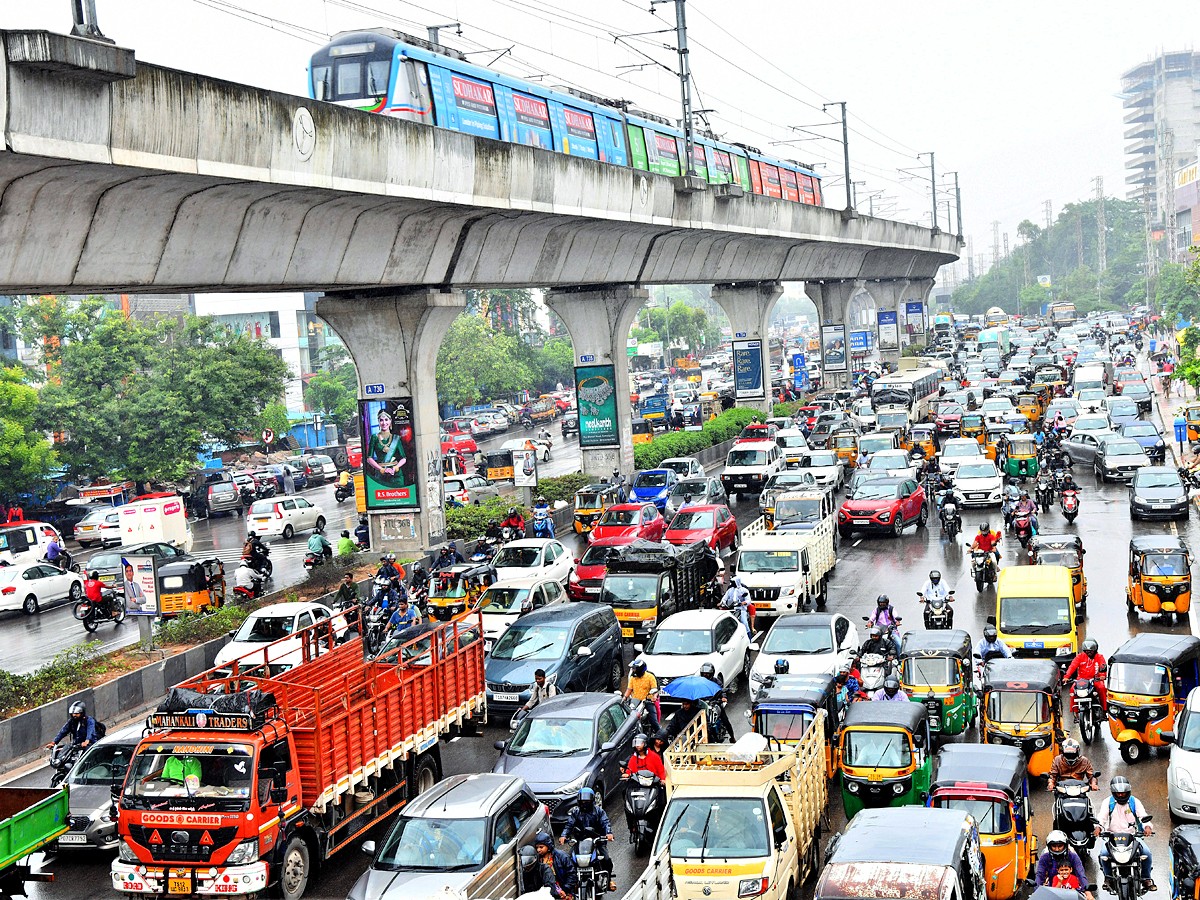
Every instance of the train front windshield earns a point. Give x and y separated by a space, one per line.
353 71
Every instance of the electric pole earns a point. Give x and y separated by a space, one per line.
996 242
1006 245
957 207
86 25
685 81
845 150
1049 215
1101 239
932 186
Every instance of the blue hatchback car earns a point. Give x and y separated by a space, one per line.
1149 439
653 486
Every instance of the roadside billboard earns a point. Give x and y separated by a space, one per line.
595 388
140 582
833 348
390 468
889 331
747 371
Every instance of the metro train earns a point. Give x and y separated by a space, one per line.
395 74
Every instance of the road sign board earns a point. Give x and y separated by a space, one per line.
587 358
373 390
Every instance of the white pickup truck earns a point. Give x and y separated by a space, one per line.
785 571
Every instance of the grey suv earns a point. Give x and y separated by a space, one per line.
461 836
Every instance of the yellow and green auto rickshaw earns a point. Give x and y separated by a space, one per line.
990 783
845 445
1149 678
590 503
787 704
883 756
972 425
1018 456
936 672
923 435
1160 576
1191 413
1064 550
189 585
643 431
455 589
1021 709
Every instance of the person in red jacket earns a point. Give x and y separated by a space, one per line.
644 758
1090 663
93 587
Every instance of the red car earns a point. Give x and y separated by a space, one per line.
712 523
949 417
631 520
806 416
354 453
585 579
458 440
757 431
883 504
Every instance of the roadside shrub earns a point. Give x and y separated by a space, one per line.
195 628
787 409
69 671
562 487
472 521
724 427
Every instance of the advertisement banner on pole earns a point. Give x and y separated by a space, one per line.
524 468
595 386
860 341
747 371
833 348
889 332
799 372
140 581
914 315
390 465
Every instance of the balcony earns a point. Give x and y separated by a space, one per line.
1143 130
1140 114
1140 148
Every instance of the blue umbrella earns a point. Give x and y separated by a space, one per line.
691 687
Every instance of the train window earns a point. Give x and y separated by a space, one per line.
770 177
698 162
755 177
476 104
664 154
817 199
533 121
790 190
637 148
320 79
806 189
720 170
349 79
377 77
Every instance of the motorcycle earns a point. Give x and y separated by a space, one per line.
1022 526
1009 503
1085 706
260 561
381 593
255 588
891 631
313 560
1073 814
588 852
64 563
62 758
1125 863
111 608
375 629
873 668
949 515
543 525
1044 493
983 568
644 801
248 495
485 548
717 732
939 615
340 493
1069 504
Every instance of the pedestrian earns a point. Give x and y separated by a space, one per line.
289 482
15 513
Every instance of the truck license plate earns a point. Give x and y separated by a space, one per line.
626 632
70 838
178 885
507 698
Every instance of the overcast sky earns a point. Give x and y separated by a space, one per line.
1020 97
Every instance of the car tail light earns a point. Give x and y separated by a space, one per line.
278 511
8 590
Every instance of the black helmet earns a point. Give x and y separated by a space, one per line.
1121 789
78 708
640 742
94 574
891 684
876 632
528 857
543 837
781 667
935 576
1090 647
882 601
251 535
990 634
984 528
638 668
1070 750
587 799
512 510
345 533
709 671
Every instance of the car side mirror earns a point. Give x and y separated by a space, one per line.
584 651
499 745
1168 736
638 648
755 646
368 847
608 746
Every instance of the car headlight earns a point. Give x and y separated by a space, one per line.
1064 651
125 853
551 678
243 853
752 887
1183 780
885 517
572 786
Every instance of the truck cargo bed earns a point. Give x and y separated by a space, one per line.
30 818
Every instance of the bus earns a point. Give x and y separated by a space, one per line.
995 317
911 390
1062 312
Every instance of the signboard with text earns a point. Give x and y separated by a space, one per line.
595 388
833 348
140 580
889 331
799 372
524 468
914 315
747 370
390 466
860 341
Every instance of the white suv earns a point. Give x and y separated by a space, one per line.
1183 771
283 517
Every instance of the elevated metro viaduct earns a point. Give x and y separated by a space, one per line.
124 177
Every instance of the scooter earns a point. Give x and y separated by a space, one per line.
313 560
340 493
645 798
255 586
1073 814
1125 863
1085 705
938 613
1022 526
543 525
248 495
873 668
983 568
1069 504
111 608
62 758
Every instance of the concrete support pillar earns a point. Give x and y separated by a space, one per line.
598 319
394 342
832 299
748 306
889 297
918 289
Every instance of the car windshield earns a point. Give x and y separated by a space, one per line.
950 409
891 459
803 637
1144 429
782 726
1035 615
517 557
876 490
619 516
731 828
967 449
1144 480
1143 679
750 561
530 642
746 458
598 555
874 749
179 772
689 520
977 470
631 591
929 671
991 817
433 845
1018 707
262 629
103 764
1122 448
650 479
806 509
1165 564
681 642
504 599
551 736
689 488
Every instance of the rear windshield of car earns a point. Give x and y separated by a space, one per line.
262 508
650 479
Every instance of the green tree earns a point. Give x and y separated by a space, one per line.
275 417
556 362
327 394
26 457
477 363
1175 296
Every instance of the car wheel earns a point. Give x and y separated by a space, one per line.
320 523
898 526
923 516
614 676
76 592
288 532
31 606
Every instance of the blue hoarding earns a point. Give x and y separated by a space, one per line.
747 370
799 372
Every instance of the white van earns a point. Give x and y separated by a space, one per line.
749 465
1089 377
26 541
160 518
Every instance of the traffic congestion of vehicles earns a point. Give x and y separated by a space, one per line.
765 740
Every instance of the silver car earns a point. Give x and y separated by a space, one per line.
460 837
703 490
90 823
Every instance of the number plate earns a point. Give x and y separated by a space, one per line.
261 521
72 838
506 698
179 885
1035 645
626 632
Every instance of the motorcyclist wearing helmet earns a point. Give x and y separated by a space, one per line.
1089 663
890 692
362 532
80 726
935 588
319 545
878 642
420 578
556 870
1123 814
253 550
644 759
515 521
990 646
448 556
987 541
718 700
588 819
1071 763
1058 852
643 687
885 614
389 571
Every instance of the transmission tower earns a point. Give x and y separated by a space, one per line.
1049 215
996 242
1169 193
1006 245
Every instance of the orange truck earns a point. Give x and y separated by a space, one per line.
248 777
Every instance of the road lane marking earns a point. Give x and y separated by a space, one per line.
856 543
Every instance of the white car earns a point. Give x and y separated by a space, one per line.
27 585
276 626
543 446
997 409
100 526
506 601
823 465
1183 770
685 641
862 415
792 443
892 462
531 557
1093 422
978 484
957 451
812 644
283 517
683 466
1091 400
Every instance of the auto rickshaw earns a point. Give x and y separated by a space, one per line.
1149 677
1064 550
189 585
994 435
590 503
972 426
787 705
499 465
989 782
845 445
1160 576
1021 709
936 671
455 589
923 435
643 431
1191 413
1029 407
1018 456
883 756
1183 851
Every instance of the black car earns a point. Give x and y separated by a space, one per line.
1139 393
108 562
1157 492
570 423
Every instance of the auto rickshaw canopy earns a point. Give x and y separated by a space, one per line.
952 642
1020 445
870 714
1166 554
195 574
1057 550
844 440
1191 413
595 497
1157 648
1041 675
785 691
994 767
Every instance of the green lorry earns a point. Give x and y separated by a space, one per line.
30 818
